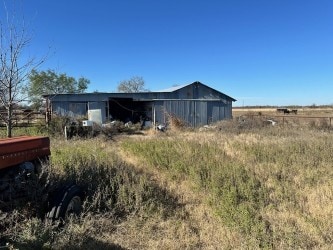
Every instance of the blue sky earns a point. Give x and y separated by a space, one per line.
260 52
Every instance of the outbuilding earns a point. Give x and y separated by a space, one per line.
196 104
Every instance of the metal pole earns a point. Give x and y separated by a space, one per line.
154 116
66 133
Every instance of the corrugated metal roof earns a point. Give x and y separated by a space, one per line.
176 92
172 89
176 88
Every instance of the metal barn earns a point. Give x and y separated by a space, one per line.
195 103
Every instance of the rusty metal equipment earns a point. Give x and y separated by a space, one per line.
16 150
21 160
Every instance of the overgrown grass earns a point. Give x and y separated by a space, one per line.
298 173
17 131
114 191
236 193
270 186
266 183
110 183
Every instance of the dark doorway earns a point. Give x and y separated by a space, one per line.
125 110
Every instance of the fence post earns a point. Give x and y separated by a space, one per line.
66 134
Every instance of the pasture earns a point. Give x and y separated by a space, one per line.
303 117
320 111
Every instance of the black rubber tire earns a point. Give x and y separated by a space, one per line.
65 202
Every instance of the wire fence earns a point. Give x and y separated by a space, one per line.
296 119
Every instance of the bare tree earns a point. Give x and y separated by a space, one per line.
135 84
14 66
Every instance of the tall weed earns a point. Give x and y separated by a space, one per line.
263 182
113 191
235 193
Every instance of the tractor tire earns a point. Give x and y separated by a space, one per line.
65 202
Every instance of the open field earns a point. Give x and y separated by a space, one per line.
301 111
305 117
239 184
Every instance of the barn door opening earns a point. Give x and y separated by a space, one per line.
126 109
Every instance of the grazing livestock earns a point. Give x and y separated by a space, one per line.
286 111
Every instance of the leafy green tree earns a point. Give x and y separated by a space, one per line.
135 84
50 83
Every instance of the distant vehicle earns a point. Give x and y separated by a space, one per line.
21 164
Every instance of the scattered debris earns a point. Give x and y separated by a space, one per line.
128 124
207 127
273 123
161 127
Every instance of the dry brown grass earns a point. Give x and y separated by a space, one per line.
306 111
196 225
294 167
167 197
